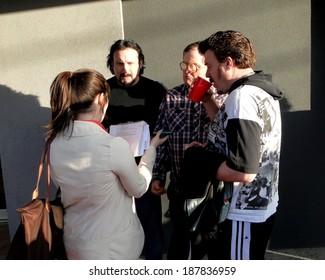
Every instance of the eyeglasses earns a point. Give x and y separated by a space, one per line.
191 67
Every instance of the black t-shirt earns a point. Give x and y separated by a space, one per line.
139 102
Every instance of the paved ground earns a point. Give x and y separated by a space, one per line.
285 254
296 254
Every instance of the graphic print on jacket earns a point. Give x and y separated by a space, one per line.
252 112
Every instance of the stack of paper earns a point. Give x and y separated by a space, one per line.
136 133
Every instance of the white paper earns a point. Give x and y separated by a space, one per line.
137 134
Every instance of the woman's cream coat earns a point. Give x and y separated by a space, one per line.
98 177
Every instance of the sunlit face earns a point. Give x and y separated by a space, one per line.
216 72
126 66
193 57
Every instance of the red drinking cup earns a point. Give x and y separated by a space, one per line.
199 89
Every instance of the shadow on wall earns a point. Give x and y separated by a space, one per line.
3 204
299 220
22 121
298 224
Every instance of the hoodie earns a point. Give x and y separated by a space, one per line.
261 80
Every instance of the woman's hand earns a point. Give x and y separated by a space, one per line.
156 140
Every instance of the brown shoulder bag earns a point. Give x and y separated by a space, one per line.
40 233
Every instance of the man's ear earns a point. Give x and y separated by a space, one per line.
229 61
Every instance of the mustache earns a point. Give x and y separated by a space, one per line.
125 75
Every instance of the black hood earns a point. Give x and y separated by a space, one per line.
261 80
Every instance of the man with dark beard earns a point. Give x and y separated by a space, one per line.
133 96
136 98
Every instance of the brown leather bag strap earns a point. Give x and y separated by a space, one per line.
45 158
40 171
48 179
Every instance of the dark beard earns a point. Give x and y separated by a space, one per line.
126 84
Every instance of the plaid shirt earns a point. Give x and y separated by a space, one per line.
188 122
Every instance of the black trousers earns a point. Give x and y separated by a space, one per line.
232 243
179 245
149 211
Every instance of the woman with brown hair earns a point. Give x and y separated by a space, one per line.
96 172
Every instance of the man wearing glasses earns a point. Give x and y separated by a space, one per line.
187 121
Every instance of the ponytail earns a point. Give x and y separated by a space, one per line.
73 93
60 104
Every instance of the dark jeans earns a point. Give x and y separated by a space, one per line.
150 215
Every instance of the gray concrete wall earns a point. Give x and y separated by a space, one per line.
279 30
39 39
